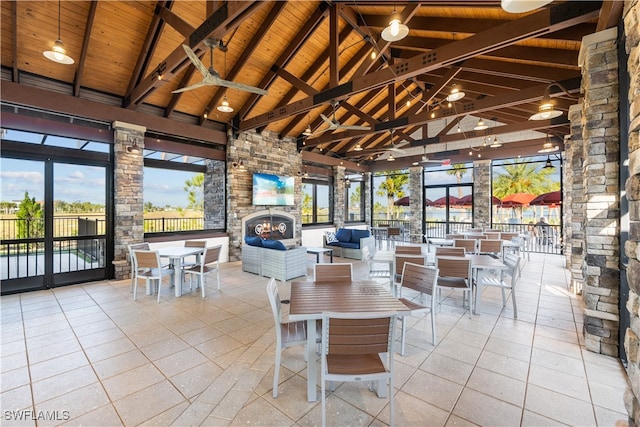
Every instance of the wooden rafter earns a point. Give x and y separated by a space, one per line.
77 81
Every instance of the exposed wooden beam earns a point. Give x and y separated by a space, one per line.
547 20
334 44
246 54
610 14
15 75
175 22
224 19
294 45
77 81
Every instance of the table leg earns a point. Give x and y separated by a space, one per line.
312 377
317 257
478 304
331 256
176 277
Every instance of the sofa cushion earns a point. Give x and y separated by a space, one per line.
253 241
274 244
344 235
348 245
331 237
356 235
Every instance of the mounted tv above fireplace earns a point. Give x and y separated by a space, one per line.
273 190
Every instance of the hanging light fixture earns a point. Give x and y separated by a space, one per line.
224 106
546 109
396 30
455 94
58 53
358 147
548 147
481 125
548 164
390 158
495 142
520 6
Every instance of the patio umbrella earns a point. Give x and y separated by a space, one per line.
465 200
495 200
547 199
404 201
443 200
517 200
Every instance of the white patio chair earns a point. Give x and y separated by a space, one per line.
208 264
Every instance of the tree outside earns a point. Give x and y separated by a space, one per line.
29 216
458 170
392 188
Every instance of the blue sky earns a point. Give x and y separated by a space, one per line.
85 183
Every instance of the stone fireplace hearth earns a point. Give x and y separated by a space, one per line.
270 224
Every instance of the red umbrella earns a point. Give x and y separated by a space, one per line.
443 200
465 200
546 199
404 201
516 200
495 200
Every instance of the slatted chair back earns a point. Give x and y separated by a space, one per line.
135 247
454 267
408 249
195 243
454 236
490 246
508 236
469 245
418 277
449 251
336 272
492 235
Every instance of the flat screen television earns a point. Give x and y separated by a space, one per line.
273 190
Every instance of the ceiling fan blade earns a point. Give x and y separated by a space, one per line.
241 86
196 61
326 120
193 86
354 127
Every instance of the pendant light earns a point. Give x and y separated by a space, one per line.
548 147
396 30
481 125
58 53
455 94
224 107
548 164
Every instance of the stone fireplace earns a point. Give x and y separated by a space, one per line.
270 224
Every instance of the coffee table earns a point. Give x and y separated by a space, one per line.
318 251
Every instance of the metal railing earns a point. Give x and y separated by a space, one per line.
163 225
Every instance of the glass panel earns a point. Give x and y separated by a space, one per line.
460 212
307 203
435 212
22 217
354 202
323 214
79 211
173 200
387 192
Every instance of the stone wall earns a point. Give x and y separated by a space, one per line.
416 202
262 153
573 199
601 147
128 195
214 200
339 194
482 193
632 247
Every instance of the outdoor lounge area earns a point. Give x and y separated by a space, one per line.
92 354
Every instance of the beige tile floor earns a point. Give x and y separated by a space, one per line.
90 355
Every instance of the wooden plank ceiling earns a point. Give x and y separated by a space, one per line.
317 57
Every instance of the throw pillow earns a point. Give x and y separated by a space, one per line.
331 237
344 235
253 241
274 244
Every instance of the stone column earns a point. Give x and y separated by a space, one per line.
601 145
339 194
367 199
632 247
128 195
482 193
214 200
573 199
416 201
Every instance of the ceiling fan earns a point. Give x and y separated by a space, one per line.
210 75
334 124
425 159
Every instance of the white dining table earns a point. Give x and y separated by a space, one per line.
176 254
310 299
481 264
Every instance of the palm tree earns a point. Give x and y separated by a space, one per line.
458 170
392 188
523 177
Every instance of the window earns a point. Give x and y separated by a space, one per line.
387 191
316 202
354 199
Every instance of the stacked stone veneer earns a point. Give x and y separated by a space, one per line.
482 193
632 247
262 153
128 196
601 147
214 199
573 199
339 196
416 201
